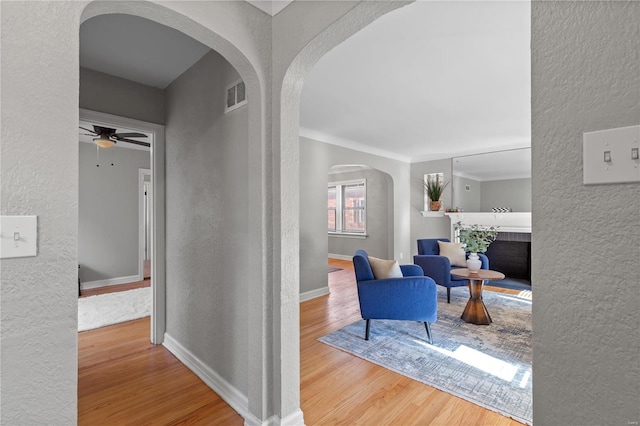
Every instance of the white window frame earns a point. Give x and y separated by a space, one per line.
340 186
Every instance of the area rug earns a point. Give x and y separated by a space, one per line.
113 308
332 269
487 365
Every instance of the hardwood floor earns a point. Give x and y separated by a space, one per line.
338 388
123 379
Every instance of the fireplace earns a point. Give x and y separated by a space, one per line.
510 254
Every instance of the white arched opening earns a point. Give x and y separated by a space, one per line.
296 64
209 24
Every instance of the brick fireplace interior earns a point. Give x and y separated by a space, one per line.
510 254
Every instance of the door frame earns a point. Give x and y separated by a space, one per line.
158 284
141 219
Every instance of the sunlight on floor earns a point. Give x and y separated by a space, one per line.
525 294
479 360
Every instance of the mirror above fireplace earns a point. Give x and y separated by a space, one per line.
493 181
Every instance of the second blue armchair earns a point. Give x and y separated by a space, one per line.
439 267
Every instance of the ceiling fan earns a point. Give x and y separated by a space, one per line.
106 137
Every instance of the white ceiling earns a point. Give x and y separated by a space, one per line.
431 80
137 49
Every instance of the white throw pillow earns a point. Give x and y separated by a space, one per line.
455 253
384 268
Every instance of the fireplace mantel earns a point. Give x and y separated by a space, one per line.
506 222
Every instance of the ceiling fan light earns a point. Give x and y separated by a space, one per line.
104 142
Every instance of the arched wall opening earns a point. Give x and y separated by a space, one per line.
215 166
373 191
288 83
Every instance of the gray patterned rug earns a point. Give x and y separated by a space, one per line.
487 365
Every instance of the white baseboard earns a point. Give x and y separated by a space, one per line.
110 281
294 419
232 396
340 256
312 294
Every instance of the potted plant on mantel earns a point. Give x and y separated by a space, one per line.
477 240
434 185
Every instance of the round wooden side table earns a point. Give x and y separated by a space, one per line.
476 312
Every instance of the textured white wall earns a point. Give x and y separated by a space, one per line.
586 321
108 212
39 176
206 216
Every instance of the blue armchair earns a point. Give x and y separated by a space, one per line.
439 267
412 297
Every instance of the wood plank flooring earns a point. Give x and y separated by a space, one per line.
338 388
124 380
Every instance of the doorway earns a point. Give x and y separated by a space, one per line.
145 224
150 211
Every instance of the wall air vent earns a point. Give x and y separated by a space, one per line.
236 96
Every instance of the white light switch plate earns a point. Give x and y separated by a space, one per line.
615 145
18 236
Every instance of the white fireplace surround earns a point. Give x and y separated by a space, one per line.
505 222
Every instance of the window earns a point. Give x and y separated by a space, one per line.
346 207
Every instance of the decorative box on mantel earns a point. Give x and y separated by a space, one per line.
519 222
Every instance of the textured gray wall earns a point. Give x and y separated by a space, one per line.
113 95
108 212
586 321
379 241
514 193
39 97
207 219
428 227
39 176
316 158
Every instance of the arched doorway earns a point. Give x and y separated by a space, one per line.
287 89
195 176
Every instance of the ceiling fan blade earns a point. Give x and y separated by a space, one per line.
87 134
147 144
92 132
103 130
130 135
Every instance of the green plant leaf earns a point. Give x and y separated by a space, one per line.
476 238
